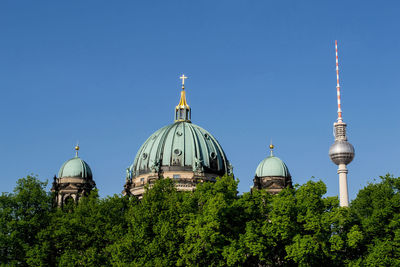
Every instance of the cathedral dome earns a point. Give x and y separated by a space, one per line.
181 151
75 167
180 146
273 167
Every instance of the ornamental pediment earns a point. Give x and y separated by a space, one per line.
71 187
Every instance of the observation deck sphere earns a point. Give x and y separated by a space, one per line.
341 152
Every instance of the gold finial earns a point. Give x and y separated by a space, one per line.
271 147
183 77
76 150
182 101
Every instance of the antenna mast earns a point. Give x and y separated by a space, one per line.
339 111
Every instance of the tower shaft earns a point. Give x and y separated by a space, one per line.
343 193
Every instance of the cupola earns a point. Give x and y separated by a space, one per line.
74 180
75 167
272 174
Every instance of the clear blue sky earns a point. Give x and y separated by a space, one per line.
106 73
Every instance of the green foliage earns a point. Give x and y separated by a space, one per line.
22 215
212 225
81 234
376 230
155 228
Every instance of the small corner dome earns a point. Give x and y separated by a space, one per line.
75 167
272 167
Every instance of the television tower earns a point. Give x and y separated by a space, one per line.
341 152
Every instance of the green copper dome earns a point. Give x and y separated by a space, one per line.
181 146
273 167
75 167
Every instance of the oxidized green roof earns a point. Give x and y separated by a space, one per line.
180 146
75 167
272 166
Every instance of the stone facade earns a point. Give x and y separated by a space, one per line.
272 184
72 188
184 181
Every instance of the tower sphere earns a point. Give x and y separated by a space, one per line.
341 152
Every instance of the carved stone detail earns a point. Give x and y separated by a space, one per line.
272 184
71 187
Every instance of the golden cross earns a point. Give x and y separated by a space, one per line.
183 77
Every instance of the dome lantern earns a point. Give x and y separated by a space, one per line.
182 110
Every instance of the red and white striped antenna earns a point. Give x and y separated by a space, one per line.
339 111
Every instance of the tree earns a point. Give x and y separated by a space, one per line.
316 236
375 236
156 225
250 247
23 214
215 224
298 226
80 234
212 225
